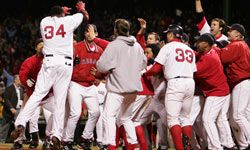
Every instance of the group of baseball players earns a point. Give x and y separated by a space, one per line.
200 96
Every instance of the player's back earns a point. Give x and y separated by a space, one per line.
57 33
179 60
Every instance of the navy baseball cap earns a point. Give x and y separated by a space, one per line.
238 27
207 37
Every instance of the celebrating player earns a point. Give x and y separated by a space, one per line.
57 33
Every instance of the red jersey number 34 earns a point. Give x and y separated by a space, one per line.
49 30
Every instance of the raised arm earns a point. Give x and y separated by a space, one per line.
140 35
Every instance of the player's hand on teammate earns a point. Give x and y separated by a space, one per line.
30 82
96 73
143 23
80 6
66 10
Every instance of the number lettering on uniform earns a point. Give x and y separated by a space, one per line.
50 31
183 55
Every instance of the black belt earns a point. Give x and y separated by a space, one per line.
51 55
180 77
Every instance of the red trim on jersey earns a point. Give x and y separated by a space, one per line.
219 36
201 24
154 70
176 40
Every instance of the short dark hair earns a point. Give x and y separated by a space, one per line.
155 49
222 24
122 27
39 40
56 11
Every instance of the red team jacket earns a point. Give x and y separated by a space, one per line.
29 70
237 56
210 75
81 72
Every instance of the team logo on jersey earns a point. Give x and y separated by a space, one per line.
88 61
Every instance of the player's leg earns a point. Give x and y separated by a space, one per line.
223 125
212 108
126 120
175 93
60 90
92 103
162 124
140 105
74 100
33 127
185 114
45 79
112 105
99 128
240 102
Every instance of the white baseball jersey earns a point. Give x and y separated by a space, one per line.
57 34
178 60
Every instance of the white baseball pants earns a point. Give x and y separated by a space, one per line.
55 73
240 107
76 94
215 111
123 104
178 101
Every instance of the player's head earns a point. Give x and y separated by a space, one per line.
87 33
56 11
122 27
153 38
39 45
205 42
151 51
218 26
236 32
174 31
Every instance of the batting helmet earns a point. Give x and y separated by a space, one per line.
175 29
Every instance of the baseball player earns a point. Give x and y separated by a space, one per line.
152 38
28 76
143 100
57 33
82 87
213 82
218 26
123 82
177 61
237 56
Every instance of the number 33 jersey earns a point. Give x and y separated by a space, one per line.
178 60
57 34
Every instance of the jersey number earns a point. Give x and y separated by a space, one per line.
50 31
183 55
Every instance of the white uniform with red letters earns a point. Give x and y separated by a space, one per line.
178 62
56 71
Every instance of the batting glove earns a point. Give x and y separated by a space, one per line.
80 6
66 10
30 82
